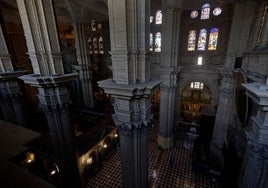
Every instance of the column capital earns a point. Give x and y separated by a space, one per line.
169 76
53 80
128 91
128 128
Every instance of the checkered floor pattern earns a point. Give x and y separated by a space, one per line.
166 168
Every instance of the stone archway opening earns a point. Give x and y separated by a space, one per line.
195 99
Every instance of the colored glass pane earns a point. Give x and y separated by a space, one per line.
194 14
157 42
213 39
205 12
217 11
158 17
202 38
151 19
151 42
191 40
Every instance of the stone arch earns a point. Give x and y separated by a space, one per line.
64 12
212 84
195 97
99 7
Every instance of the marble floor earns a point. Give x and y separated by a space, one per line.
167 168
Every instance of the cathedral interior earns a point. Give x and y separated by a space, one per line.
134 94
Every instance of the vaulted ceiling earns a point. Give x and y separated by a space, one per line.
86 10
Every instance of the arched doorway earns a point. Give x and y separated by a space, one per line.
195 97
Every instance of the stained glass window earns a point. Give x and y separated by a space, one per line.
201 85
205 12
213 38
158 17
191 40
93 25
194 14
151 42
95 45
157 42
101 45
90 45
197 85
202 38
217 11
151 19
192 85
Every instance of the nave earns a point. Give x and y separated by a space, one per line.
167 168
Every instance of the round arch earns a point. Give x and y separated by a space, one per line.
196 96
91 9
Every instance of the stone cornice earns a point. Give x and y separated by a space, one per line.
169 70
48 81
224 71
6 76
259 93
128 90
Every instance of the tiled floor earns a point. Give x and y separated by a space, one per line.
167 168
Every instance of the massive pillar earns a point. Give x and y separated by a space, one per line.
255 165
84 64
10 93
131 85
169 72
41 35
223 114
263 35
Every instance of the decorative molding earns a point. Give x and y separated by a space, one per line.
128 128
48 81
128 91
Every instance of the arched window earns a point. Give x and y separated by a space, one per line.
158 17
205 11
151 42
95 45
213 39
191 40
101 45
90 45
157 42
151 19
197 85
202 38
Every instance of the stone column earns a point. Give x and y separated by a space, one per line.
132 117
131 85
254 170
239 32
10 93
169 72
40 30
222 114
167 107
84 64
263 37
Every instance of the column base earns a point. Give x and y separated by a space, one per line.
164 142
216 156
